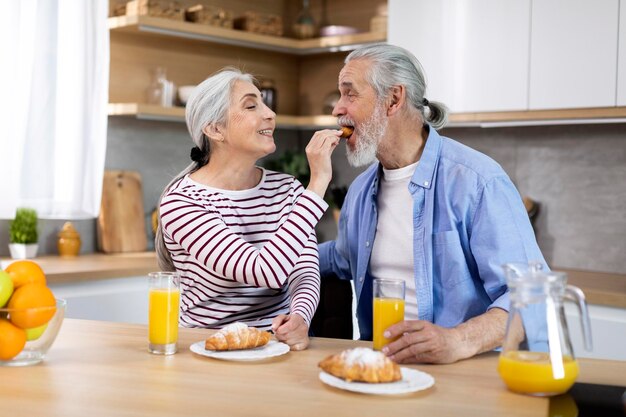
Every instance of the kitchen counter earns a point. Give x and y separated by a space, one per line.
95 266
600 287
103 369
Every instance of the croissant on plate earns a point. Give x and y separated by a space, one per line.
237 336
362 365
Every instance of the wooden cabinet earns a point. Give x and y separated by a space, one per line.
573 58
621 56
191 52
475 54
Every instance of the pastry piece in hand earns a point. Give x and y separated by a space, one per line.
346 131
237 336
362 365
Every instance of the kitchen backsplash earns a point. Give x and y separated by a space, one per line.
576 173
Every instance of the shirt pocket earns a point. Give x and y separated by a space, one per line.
449 264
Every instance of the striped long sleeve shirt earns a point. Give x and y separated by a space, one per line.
244 255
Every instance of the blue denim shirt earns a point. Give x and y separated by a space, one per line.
468 220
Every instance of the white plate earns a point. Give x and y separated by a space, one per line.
273 348
412 381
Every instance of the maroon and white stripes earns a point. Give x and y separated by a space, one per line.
244 255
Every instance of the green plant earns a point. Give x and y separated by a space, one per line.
296 164
23 229
292 163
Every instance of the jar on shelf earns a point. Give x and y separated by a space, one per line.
69 240
268 94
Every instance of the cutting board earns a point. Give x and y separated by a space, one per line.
121 224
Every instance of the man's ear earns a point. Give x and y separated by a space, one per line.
214 132
397 99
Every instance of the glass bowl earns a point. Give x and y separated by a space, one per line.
35 350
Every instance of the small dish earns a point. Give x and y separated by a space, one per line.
412 381
272 349
335 30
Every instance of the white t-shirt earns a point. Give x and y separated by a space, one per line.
392 253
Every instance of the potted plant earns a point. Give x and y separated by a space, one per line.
23 234
296 164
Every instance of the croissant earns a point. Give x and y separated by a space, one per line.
362 365
237 336
346 131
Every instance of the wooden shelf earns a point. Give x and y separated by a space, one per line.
177 114
520 118
539 117
206 33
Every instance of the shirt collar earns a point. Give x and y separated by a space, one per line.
425 172
423 175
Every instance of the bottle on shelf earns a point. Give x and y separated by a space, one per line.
305 27
161 91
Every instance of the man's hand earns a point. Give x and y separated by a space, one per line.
291 329
422 341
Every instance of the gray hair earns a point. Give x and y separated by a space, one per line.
392 65
208 104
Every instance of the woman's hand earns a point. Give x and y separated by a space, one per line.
318 152
291 329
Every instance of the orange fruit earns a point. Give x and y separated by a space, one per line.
12 340
25 272
24 303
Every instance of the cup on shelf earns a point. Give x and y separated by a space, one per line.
388 308
163 306
184 91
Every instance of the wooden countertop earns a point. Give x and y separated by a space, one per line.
600 288
95 266
103 369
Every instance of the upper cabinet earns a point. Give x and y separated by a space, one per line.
573 60
475 54
518 62
621 56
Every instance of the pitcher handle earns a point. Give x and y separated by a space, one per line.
576 295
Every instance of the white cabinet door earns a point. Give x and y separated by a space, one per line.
573 61
475 54
621 63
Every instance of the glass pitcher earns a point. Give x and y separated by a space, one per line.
537 356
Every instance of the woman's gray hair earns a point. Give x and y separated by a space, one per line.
208 104
392 65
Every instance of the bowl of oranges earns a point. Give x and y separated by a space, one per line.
30 315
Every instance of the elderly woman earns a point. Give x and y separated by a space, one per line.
242 237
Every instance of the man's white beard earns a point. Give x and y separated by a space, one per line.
370 134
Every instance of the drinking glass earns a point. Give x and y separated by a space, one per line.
388 308
164 302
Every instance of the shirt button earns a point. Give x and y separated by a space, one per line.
426 183
361 279
367 244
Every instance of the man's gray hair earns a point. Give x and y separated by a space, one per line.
392 65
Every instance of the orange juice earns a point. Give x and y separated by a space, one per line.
387 311
163 316
531 373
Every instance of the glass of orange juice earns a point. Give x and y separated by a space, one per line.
388 308
163 306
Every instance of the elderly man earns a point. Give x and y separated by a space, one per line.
429 210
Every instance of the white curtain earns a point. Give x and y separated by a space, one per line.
54 73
